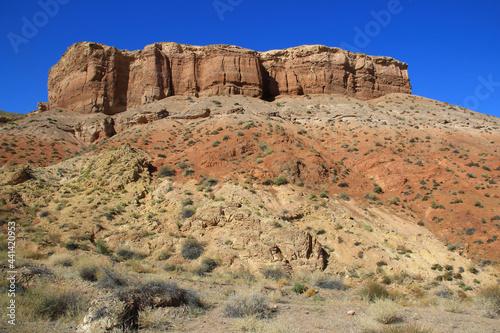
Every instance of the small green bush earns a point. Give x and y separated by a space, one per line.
299 288
71 245
187 202
267 182
101 247
280 181
166 171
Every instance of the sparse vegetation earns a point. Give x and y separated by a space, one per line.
299 288
166 171
274 273
372 291
488 301
385 311
191 249
246 305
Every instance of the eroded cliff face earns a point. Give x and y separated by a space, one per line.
92 77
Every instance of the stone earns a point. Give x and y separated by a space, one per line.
351 313
92 77
23 174
42 106
296 248
193 114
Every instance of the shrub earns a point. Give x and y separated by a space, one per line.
243 274
444 292
267 182
187 212
275 273
89 272
240 306
166 171
64 260
44 213
169 267
280 181
299 288
164 254
57 305
343 184
209 182
191 249
127 253
393 201
101 247
186 202
373 291
344 196
207 266
324 281
110 279
151 294
488 301
385 311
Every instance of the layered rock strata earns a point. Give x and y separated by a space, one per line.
92 77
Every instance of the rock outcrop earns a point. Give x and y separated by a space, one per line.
92 77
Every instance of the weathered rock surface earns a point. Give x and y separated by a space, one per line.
92 77
297 248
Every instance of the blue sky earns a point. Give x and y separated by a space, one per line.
452 46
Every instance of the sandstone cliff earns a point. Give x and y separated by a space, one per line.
92 77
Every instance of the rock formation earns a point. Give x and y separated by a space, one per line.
92 77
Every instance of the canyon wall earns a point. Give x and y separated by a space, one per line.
92 77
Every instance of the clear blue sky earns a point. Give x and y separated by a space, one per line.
452 46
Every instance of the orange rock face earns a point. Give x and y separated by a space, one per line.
92 77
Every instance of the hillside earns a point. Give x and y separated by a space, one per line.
218 193
5 117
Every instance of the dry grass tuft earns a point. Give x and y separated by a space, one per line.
64 260
385 311
373 291
488 301
407 328
252 304
325 281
